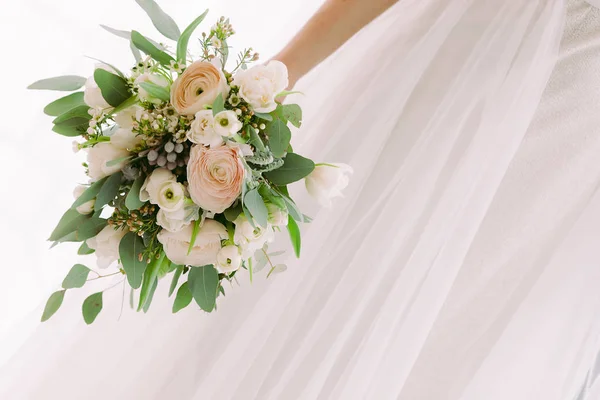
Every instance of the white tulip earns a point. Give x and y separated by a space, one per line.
106 244
92 95
202 130
88 206
173 221
154 181
251 238
100 155
327 182
171 196
229 259
227 124
206 246
260 85
125 138
126 117
277 216
156 79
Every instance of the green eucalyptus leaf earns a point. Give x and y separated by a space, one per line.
156 91
68 224
204 285
64 104
90 193
84 249
67 83
114 88
291 113
224 52
279 137
53 304
161 20
76 277
147 47
67 129
183 298
126 104
90 228
117 32
195 231
108 191
184 39
150 275
79 115
150 296
132 201
265 116
295 237
175 281
255 140
92 307
294 168
130 248
218 105
232 212
256 205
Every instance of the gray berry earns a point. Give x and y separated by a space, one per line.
180 162
171 166
161 161
152 155
171 157
178 148
169 147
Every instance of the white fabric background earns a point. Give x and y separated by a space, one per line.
40 39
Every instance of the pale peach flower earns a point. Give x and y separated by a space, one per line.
197 87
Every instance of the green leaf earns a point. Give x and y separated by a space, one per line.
68 223
64 104
90 228
53 304
76 277
256 205
92 307
70 130
224 52
184 39
292 113
78 115
108 191
183 298
132 201
176 276
279 137
67 83
90 193
117 161
195 231
294 168
218 105
147 47
84 249
121 74
232 213
161 20
150 296
295 237
156 91
126 104
115 89
204 285
255 140
150 276
130 247
265 116
117 32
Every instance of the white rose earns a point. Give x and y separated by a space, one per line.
92 95
205 249
260 85
277 216
229 259
126 117
227 124
153 183
173 221
171 196
202 130
158 80
327 182
251 238
125 138
106 244
101 154
88 206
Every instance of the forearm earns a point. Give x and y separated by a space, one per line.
331 26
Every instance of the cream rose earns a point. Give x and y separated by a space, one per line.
260 85
151 188
205 249
215 177
172 221
106 244
197 87
101 154
202 130
327 182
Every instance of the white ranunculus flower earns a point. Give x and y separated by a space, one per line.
251 238
106 244
173 221
101 154
205 249
202 130
125 138
88 206
92 96
260 85
171 196
229 259
327 182
277 216
126 117
154 181
227 124
158 80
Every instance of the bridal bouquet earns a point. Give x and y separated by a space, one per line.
188 164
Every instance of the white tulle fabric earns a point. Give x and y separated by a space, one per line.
462 263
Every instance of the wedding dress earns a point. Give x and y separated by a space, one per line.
462 264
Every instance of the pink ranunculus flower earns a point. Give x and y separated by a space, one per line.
215 177
197 87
